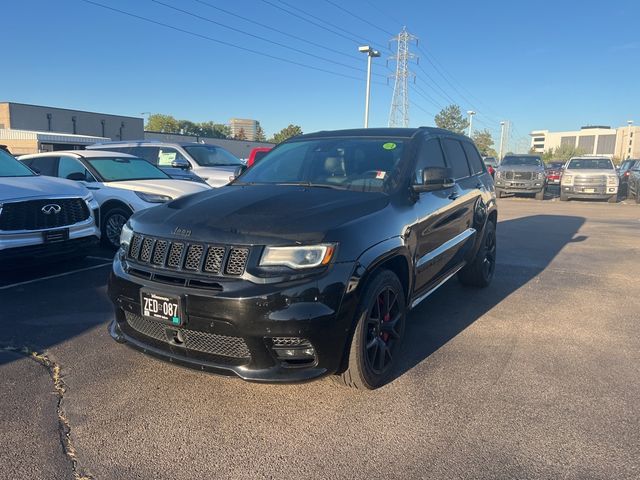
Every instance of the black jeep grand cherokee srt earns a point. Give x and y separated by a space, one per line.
307 264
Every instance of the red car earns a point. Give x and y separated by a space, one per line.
257 154
554 172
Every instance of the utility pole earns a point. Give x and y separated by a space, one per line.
399 114
470 113
501 141
371 53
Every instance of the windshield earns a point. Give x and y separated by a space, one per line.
10 167
362 164
524 160
590 164
212 156
490 161
555 165
115 169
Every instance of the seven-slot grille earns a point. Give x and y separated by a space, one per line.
29 215
188 257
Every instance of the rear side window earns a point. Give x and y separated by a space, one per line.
456 158
150 154
47 166
474 158
168 155
430 155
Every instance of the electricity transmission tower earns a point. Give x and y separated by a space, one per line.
399 114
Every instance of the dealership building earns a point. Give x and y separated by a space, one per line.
26 129
36 128
618 142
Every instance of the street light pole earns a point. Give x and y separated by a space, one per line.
501 141
471 113
629 123
371 53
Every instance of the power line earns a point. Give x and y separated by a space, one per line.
340 34
268 27
385 14
359 17
264 39
221 42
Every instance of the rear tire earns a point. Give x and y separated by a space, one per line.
540 195
112 222
378 335
479 272
613 199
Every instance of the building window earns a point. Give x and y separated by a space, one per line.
538 139
538 145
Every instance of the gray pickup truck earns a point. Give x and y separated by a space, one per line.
589 177
521 174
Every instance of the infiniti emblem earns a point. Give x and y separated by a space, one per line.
51 209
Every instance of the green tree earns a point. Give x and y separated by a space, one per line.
484 142
450 118
162 123
561 153
260 136
288 132
187 127
214 130
241 135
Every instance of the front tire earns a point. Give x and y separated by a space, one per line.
498 193
112 222
378 335
479 272
613 199
540 195
564 197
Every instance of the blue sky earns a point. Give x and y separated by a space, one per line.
548 64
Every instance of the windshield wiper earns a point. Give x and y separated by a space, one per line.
310 184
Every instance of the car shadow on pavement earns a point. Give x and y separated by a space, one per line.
526 246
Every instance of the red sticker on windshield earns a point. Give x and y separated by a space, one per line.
380 175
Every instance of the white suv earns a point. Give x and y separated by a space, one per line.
43 217
121 183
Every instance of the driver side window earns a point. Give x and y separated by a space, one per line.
73 169
430 155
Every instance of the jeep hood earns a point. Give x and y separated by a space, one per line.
258 214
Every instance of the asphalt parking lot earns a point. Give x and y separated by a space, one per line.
534 377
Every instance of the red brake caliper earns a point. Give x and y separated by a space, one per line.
386 318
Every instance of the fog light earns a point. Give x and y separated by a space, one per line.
293 350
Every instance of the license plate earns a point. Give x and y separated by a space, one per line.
589 190
165 308
52 236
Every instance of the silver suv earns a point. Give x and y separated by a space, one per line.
212 163
41 216
521 174
589 177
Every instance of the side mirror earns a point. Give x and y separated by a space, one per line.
181 163
434 178
76 176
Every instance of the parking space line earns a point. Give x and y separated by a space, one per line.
5 287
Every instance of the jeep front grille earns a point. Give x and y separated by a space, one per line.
188 257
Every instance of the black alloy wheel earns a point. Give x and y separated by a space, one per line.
378 335
385 322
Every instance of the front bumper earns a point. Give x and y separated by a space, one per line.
520 186
238 328
594 192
